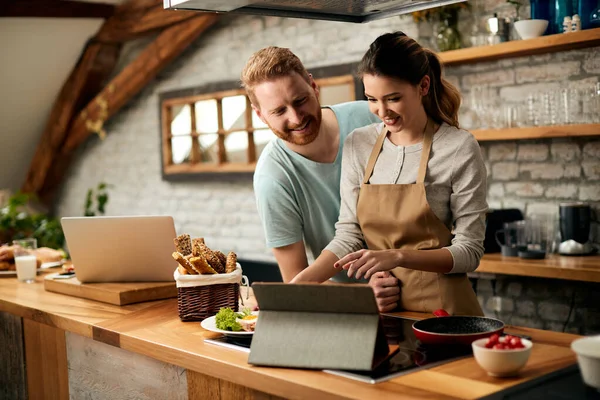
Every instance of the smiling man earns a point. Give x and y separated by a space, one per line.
297 178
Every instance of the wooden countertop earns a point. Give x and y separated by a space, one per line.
582 268
154 329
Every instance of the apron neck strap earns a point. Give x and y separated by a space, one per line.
374 155
427 140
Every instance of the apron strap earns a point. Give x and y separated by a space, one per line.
374 155
427 140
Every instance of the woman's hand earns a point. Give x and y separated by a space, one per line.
364 263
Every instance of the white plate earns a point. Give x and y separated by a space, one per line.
12 273
210 325
52 264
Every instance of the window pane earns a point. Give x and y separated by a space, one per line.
206 116
261 138
234 112
181 149
209 148
256 122
335 94
182 120
236 146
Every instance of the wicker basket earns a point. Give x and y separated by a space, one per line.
196 303
200 302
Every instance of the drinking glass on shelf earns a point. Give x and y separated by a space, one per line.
25 259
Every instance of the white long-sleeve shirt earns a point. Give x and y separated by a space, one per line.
455 186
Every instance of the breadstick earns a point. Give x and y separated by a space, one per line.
201 266
231 264
195 246
184 263
212 259
183 244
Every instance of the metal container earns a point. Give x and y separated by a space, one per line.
498 29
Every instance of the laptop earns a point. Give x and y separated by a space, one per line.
121 249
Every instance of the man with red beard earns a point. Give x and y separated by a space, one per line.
297 178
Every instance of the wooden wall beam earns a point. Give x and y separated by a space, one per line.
85 81
141 71
55 9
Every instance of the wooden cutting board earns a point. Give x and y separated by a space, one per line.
118 293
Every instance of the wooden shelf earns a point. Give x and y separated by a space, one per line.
520 48
583 268
537 132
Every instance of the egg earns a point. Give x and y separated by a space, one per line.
248 322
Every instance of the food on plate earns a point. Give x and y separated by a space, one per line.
228 320
68 267
507 342
248 322
183 244
7 266
42 254
48 255
196 258
7 253
231 262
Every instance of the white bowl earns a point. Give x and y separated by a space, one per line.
588 357
501 363
531 28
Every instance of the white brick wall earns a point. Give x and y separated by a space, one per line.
532 176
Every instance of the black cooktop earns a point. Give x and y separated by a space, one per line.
411 356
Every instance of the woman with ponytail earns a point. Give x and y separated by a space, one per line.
413 188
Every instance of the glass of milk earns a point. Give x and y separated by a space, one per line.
25 259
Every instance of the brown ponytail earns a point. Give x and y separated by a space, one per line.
396 55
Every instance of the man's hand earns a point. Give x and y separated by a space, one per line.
387 290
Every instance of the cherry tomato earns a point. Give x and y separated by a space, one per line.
515 341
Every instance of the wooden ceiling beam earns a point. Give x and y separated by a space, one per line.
55 9
129 82
129 24
85 81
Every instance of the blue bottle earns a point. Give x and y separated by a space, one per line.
562 9
544 9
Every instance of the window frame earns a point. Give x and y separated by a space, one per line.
325 76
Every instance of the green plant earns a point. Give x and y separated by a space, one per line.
17 221
101 197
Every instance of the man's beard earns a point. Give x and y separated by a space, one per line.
314 124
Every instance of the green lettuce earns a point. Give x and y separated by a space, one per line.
226 319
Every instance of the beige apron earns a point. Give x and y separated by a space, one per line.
397 216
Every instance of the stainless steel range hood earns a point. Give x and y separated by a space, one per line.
333 10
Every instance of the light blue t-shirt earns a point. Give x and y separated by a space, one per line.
299 199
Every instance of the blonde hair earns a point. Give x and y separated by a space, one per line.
270 63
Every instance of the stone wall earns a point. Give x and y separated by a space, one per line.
533 175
